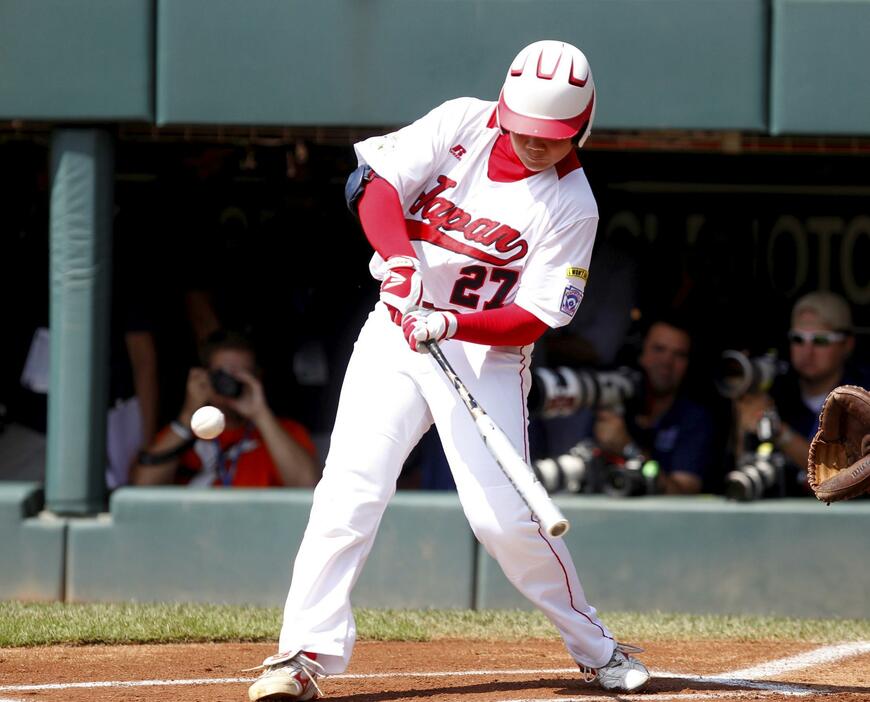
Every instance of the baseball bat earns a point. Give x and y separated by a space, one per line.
514 466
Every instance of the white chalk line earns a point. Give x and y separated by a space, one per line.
745 677
665 696
819 656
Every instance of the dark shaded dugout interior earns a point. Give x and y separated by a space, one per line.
730 235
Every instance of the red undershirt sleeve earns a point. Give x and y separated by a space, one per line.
383 221
505 326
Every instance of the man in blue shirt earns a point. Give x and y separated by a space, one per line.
821 343
667 426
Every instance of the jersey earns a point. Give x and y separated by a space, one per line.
484 243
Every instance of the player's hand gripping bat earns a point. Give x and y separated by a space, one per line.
515 468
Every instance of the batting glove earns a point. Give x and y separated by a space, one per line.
402 286
423 325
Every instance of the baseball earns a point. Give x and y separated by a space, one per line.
207 422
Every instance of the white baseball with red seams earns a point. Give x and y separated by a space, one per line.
207 422
481 243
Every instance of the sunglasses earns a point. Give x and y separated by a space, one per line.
816 338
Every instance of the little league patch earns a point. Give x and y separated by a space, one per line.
571 299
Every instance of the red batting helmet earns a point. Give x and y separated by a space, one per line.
548 92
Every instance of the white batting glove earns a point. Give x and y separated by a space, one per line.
402 286
425 325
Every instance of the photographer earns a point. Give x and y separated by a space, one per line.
257 449
821 342
665 426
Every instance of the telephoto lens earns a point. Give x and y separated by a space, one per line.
759 473
737 374
559 392
574 471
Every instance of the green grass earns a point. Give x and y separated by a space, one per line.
43 624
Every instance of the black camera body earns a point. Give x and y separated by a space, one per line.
635 477
760 473
586 469
225 384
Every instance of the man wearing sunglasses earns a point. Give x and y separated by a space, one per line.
820 346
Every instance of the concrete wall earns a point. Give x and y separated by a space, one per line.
700 555
32 548
169 544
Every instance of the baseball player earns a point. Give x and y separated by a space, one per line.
483 224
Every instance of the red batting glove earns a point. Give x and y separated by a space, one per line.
402 286
422 325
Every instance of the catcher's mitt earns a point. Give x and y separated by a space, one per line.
839 460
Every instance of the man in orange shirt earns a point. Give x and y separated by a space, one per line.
257 449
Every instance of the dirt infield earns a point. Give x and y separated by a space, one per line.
472 671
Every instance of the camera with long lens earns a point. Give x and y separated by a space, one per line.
634 477
581 469
559 392
738 374
585 468
225 384
760 473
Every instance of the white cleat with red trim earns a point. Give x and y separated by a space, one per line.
287 676
622 673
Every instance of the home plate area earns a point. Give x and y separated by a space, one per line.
468 670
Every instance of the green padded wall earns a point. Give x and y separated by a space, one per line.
183 544
657 63
31 546
701 555
76 59
821 67
82 181
708 555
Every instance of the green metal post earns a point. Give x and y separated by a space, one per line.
81 224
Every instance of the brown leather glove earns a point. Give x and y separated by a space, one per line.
839 460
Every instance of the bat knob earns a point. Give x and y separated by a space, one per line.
559 528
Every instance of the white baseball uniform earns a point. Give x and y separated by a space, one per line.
482 243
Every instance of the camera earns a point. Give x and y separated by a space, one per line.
226 384
636 476
757 475
558 392
738 374
760 472
587 469
579 470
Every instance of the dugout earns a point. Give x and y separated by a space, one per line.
730 152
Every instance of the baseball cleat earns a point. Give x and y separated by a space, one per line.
293 678
622 673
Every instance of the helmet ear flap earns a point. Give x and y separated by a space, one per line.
586 129
501 129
